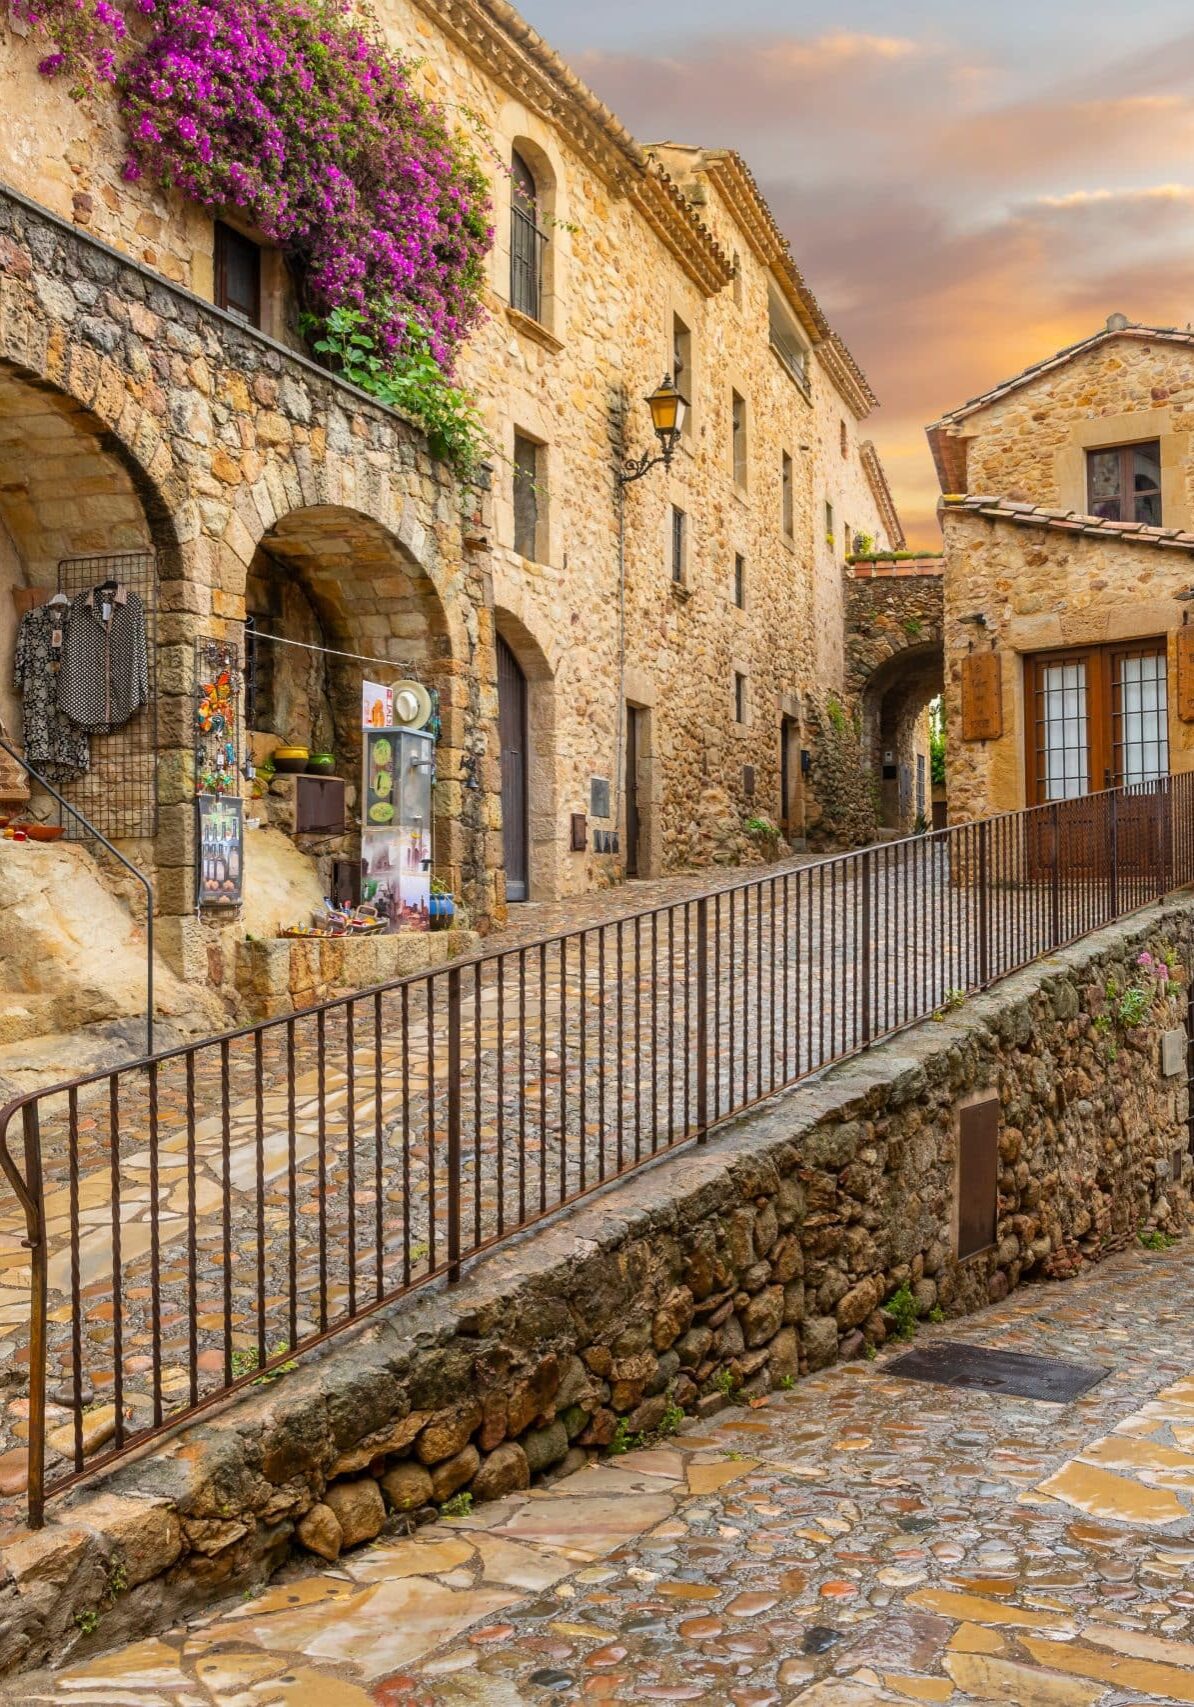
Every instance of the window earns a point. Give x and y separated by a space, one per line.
787 498
679 548
740 580
1123 483
786 340
1099 720
845 438
682 372
238 274
526 241
737 279
739 697
738 437
526 496
829 528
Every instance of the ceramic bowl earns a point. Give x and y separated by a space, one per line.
321 764
291 761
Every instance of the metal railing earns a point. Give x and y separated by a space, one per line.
195 1220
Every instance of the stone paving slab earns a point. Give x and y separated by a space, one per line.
860 1540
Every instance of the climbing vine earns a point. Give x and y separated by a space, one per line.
292 117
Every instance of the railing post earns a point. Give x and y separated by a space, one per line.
454 1124
1055 879
866 947
984 903
702 1019
35 1221
1113 862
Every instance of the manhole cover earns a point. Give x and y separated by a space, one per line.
952 1364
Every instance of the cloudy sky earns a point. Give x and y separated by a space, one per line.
967 188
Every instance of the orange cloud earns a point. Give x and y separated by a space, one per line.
954 230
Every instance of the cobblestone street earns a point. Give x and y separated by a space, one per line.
281 1166
859 1540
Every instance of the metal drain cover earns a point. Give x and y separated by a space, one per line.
952 1364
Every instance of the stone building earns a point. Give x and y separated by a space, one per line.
1068 514
676 640
627 674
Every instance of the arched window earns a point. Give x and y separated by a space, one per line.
526 240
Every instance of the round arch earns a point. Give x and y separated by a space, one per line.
895 700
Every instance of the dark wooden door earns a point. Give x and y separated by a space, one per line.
512 732
785 777
634 730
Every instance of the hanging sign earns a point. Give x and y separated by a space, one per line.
221 850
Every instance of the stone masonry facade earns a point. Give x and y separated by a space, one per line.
787 1242
650 257
1028 571
180 431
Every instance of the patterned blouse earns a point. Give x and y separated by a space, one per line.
105 672
53 744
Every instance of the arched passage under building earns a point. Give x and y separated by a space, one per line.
897 735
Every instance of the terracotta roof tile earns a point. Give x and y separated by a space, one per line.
1068 521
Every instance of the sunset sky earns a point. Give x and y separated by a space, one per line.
966 189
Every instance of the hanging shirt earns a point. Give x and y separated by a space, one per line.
53 744
105 673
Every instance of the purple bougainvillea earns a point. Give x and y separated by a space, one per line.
291 117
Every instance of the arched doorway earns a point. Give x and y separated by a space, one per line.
512 730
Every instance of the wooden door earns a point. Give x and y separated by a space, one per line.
1097 719
512 733
634 730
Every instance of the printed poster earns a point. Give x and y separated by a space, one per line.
221 850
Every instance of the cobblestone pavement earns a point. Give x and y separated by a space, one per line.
298 1174
859 1540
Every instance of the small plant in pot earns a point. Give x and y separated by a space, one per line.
442 907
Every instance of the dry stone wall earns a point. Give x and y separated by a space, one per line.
728 1271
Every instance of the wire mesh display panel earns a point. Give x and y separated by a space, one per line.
119 792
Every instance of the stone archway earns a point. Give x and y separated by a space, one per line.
895 667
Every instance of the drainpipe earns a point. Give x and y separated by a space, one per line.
117 855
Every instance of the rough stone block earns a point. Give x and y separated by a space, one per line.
358 1508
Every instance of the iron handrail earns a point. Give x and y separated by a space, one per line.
766 980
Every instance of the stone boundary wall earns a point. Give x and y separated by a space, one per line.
768 1253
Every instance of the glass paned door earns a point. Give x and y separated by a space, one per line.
1063 730
1140 717
1098 719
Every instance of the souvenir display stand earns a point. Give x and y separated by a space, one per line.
220 821
399 769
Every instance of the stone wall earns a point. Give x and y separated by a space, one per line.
725 1271
171 426
628 250
1029 444
1039 589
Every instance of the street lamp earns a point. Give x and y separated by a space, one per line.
667 406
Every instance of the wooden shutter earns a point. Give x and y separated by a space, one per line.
1185 674
982 697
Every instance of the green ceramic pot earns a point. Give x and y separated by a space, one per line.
321 764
